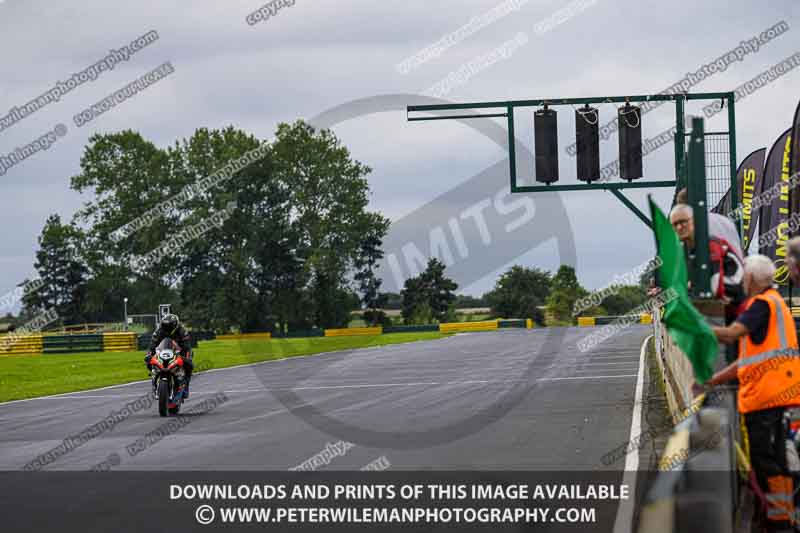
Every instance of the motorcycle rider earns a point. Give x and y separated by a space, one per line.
171 328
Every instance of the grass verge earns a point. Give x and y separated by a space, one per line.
29 376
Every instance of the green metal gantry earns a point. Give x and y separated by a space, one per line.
690 171
615 188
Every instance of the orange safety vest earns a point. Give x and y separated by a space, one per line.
769 373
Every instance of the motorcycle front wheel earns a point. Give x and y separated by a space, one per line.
163 397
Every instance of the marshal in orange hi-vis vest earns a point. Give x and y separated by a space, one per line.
769 373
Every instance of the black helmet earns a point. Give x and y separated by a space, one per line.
170 323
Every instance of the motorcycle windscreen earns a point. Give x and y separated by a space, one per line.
166 344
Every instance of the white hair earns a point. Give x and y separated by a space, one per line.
793 246
760 268
682 208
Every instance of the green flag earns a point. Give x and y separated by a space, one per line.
687 327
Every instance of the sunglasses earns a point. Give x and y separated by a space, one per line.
680 222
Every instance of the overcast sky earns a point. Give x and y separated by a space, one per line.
315 55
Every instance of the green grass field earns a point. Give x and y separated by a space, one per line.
29 376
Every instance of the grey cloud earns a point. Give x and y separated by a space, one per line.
318 55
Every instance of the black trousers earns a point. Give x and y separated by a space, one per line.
767 436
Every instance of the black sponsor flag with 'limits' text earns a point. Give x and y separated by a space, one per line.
773 226
749 178
794 165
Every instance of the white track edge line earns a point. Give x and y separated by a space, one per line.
624 520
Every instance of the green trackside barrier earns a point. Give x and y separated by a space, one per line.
645 318
411 329
512 323
72 343
245 336
315 332
143 341
203 335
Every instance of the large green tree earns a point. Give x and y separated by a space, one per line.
366 264
124 176
328 195
467 301
392 300
284 254
224 275
564 291
519 293
624 299
429 296
62 272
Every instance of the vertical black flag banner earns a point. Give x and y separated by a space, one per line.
794 166
724 205
774 216
749 179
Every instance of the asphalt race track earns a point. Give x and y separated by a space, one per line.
506 400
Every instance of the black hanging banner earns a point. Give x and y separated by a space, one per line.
794 165
773 226
749 179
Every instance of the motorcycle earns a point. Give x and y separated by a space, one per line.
169 377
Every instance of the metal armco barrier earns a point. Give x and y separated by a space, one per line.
695 490
644 318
